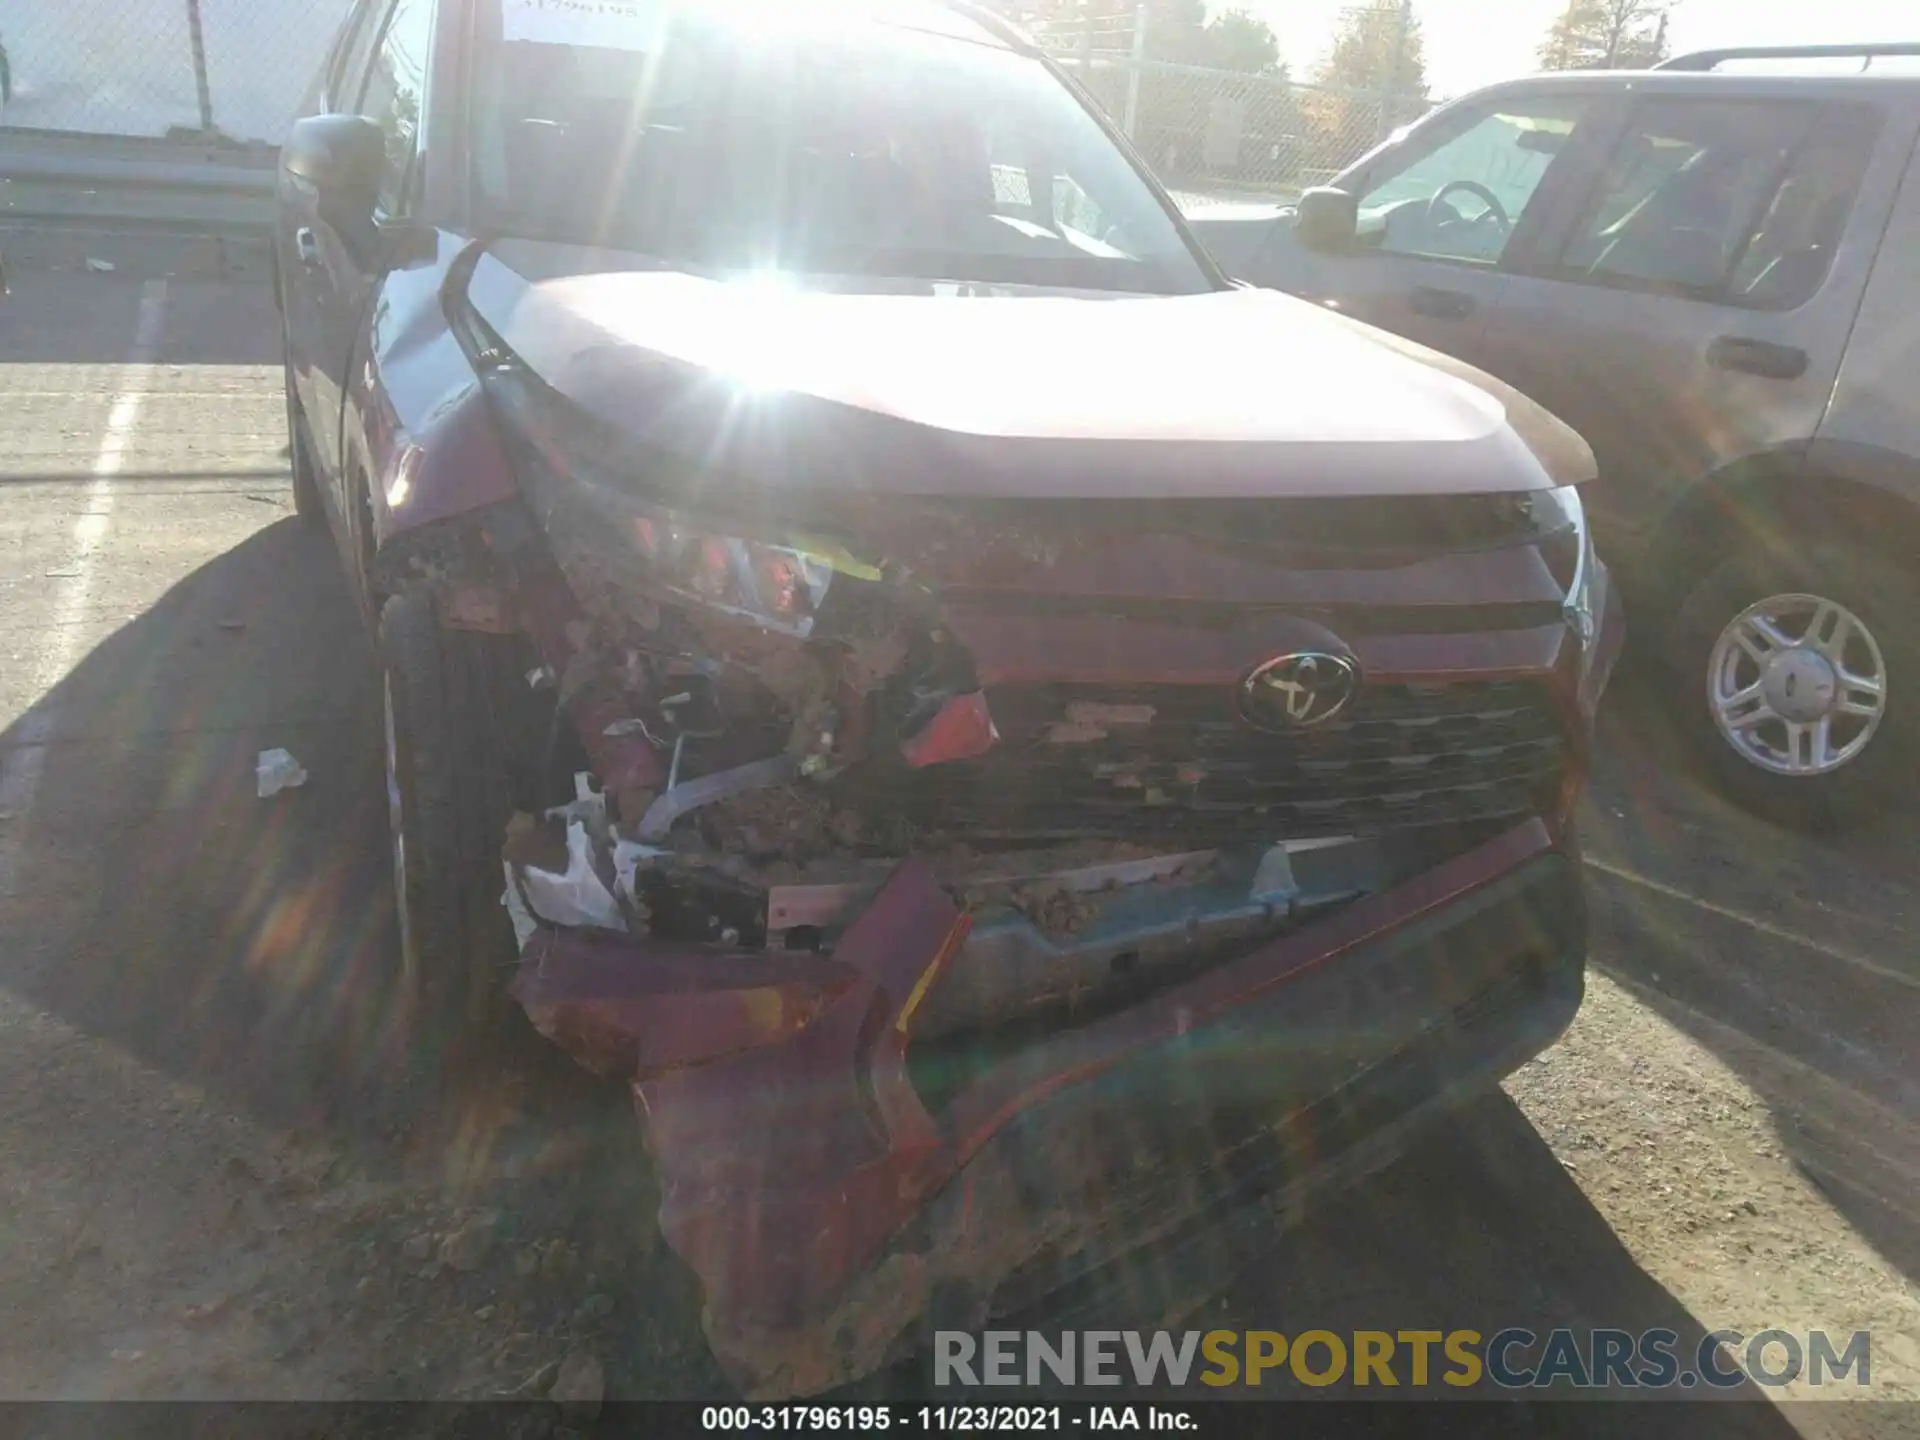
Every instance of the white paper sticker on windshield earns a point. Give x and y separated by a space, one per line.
602 24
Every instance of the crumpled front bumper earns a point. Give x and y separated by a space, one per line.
829 1199
825 1207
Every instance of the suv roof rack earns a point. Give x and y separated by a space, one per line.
1710 59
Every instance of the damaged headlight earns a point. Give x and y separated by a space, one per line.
777 587
574 470
1566 544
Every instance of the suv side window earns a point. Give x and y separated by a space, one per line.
1736 201
396 97
1788 255
1460 198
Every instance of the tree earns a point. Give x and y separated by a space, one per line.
1379 47
1178 31
1236 40
1179 119
1377 51
1607 35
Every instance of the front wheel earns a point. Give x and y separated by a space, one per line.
448 802
1799 680
307 503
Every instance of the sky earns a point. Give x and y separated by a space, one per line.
1476 42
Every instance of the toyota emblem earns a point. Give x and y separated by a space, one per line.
1294 692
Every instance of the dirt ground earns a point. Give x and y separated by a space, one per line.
222 1179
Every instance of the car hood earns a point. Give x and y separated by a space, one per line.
940 389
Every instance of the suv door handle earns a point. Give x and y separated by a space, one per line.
1440 304
1757 357
308 246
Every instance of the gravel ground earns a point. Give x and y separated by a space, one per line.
219 1180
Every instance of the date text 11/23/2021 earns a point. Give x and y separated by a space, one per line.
937 1419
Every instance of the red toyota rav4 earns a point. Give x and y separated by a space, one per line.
1021 752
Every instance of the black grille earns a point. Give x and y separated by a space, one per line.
1403 756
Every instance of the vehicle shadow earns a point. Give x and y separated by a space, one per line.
157 901
1478 1227
1789 956
245 948
240 944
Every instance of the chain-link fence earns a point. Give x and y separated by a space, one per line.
1224 131
235 68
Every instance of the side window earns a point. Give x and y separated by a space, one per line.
1461 197
1790 252
1735 201
349 73
396 93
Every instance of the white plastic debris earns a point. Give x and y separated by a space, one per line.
277 771
589 806
576 898
100 267
523 922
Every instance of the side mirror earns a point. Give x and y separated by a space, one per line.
342 158
1327 219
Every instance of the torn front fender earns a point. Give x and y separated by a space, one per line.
417 427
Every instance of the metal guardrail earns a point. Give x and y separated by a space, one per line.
173 184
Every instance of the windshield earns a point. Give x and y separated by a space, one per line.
735 135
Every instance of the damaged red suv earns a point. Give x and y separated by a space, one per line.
1026 756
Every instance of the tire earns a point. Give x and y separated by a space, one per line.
307 503
1864 762
448 802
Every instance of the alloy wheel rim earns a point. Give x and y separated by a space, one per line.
1797 685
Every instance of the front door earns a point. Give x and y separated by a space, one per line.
1695 308
1445 214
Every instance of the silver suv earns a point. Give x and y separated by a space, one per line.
1715 277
